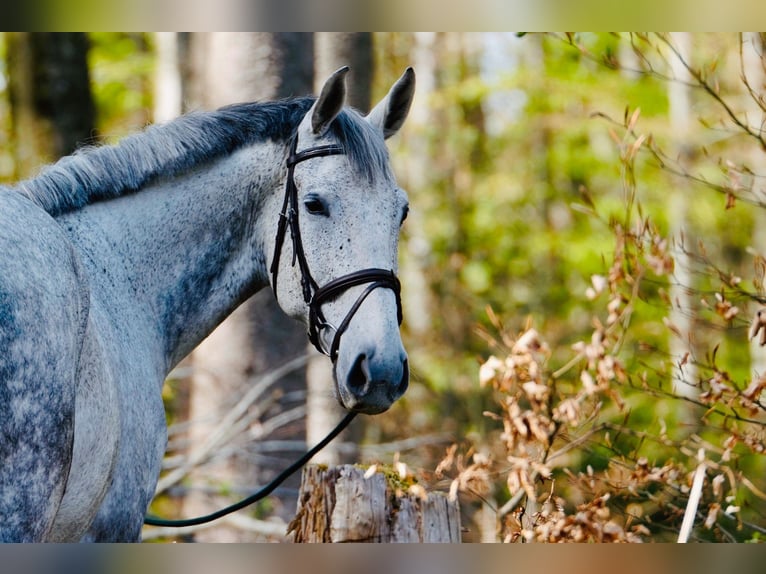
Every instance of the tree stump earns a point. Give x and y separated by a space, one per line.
348 504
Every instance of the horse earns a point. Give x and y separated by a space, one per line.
116 261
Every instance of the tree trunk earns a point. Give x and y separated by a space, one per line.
168 77
682 294
231 67
323 412
258 337
336 49
344 504
52 108
418 171
754 68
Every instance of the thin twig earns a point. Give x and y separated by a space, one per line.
220 432
713 93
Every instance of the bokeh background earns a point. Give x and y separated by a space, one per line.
582 267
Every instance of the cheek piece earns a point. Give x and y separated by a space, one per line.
322 334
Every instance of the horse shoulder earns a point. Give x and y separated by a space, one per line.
43 313
96 441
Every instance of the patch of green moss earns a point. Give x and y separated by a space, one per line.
394 480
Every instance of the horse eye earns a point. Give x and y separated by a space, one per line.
315 206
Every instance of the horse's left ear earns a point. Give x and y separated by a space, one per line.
391 111
330 101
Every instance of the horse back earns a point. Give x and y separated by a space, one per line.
43 316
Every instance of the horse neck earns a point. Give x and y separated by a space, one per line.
183 254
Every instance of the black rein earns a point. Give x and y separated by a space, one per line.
259 494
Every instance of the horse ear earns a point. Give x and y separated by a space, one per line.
391 111
330 101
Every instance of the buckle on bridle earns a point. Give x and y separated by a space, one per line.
324 342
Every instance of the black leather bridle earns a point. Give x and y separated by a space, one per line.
313 295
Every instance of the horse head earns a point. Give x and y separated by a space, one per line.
343 211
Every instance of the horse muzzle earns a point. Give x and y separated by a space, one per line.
372 381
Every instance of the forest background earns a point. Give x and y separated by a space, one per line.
582 273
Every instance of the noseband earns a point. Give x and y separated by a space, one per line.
314 295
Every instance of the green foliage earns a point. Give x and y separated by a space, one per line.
526 212
6 156
121 68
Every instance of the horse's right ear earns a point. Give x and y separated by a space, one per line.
330 102
390 113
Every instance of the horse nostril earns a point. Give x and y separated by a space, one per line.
405 382
375 387
357 376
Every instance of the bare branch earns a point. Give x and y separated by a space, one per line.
714 93
221 432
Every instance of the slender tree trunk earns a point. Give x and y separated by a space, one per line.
754 67
51 104
418 180
682 294
336 49
257 337
168 78
323 412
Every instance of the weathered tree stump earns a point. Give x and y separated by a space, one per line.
348 504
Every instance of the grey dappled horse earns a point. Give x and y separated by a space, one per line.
117 261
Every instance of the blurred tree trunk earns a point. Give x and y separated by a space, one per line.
683 312
332 51
754 69
52 107
168 78
336 49
257 337
418 180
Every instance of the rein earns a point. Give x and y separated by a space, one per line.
259 494
314 296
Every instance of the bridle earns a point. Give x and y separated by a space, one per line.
313 295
